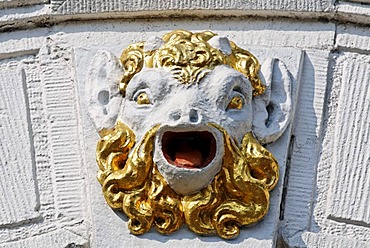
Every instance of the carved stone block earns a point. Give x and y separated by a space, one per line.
19 196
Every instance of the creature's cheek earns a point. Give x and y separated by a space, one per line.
139 119
237 123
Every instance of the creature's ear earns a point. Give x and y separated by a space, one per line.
102 93
272 110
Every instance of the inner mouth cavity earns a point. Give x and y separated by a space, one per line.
189 149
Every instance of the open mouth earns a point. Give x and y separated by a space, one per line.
189 149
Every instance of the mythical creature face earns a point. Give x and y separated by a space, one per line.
182 150
188 147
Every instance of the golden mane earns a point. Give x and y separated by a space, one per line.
189 57
238 195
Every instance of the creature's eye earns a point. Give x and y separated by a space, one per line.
142 98
236 102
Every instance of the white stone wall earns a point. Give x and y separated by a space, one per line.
49 195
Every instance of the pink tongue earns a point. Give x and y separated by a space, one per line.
188 157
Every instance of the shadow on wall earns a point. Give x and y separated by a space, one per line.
300 189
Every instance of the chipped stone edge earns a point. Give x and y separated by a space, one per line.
58 238
49 14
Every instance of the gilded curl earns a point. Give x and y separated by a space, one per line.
129 185
238 195
189 57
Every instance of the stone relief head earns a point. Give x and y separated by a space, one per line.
182 120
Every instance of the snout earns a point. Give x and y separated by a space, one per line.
188 156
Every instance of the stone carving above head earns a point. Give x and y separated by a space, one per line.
182 120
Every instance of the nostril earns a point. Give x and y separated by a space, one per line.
103 97
193 115
176 115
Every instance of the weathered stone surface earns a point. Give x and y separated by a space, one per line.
74 7
353 38
327 201
19 3
326 189
331 241
339 178
349 181
60 238
33 13
354 12
42 191
305 146
19 199
359 1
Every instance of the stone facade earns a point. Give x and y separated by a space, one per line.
49 195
